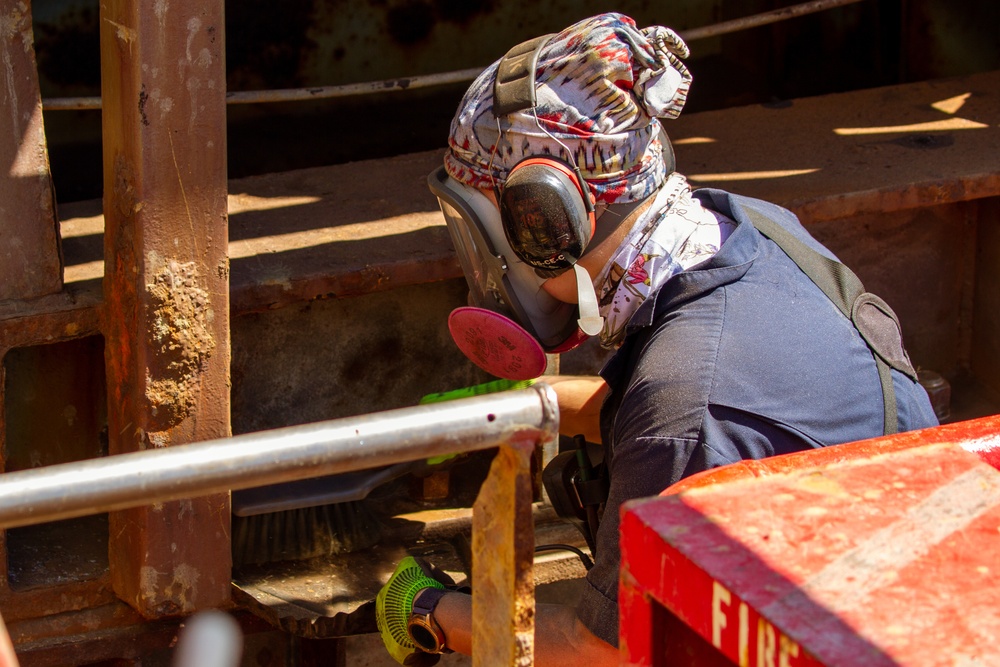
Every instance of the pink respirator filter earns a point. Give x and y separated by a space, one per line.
496 343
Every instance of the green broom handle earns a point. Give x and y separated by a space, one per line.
468 392
476 390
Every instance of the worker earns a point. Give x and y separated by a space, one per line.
726 345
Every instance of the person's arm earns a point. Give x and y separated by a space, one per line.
560 638
580 398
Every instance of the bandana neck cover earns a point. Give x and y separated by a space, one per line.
673 235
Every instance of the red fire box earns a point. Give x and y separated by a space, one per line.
888 558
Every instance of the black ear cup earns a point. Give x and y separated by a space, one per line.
546 213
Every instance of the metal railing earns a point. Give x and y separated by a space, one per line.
458 76
517 422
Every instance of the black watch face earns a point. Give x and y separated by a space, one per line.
423 637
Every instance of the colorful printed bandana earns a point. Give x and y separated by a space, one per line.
601 87
673 234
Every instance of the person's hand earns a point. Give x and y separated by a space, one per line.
394 604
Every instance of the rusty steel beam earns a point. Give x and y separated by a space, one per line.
30 262
503 540
166 286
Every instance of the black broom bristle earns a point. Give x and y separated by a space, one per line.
299 534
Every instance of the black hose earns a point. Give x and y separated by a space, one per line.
584 558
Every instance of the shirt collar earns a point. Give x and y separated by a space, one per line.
728 265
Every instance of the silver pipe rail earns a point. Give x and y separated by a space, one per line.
765 18
444 78
524 417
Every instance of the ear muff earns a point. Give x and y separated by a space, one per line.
547 213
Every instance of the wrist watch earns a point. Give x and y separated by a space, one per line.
423 629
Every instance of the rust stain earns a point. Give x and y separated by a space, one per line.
176 596
12 25
143 98
180 336
124 188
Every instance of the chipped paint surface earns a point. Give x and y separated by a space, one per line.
899 581
180 315
180 590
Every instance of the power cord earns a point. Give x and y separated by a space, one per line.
584 558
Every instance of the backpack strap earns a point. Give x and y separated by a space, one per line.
872 317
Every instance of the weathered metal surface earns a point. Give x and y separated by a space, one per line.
876 561
979 436
985 345
65 316
30 265
71 313
55 403
114 634
337 231
503 604
167 290
331 597
465 75
866 151
54 412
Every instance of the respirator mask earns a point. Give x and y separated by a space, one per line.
542 222
543 225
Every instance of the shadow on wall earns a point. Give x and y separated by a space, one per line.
320 43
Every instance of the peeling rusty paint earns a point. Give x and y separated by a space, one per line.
178 588
167 307
125 196
143 98
12 25
30 262
180 314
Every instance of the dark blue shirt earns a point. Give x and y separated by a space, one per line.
739 357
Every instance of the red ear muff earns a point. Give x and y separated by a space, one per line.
547 213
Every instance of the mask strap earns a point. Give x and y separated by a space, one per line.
590 322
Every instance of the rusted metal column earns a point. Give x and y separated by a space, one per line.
166 284
30 263
503 541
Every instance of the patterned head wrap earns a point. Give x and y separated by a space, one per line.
602 85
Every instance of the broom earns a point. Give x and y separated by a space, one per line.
327 515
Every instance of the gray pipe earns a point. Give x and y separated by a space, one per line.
529 416
429 80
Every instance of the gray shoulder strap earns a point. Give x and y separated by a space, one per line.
871 316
